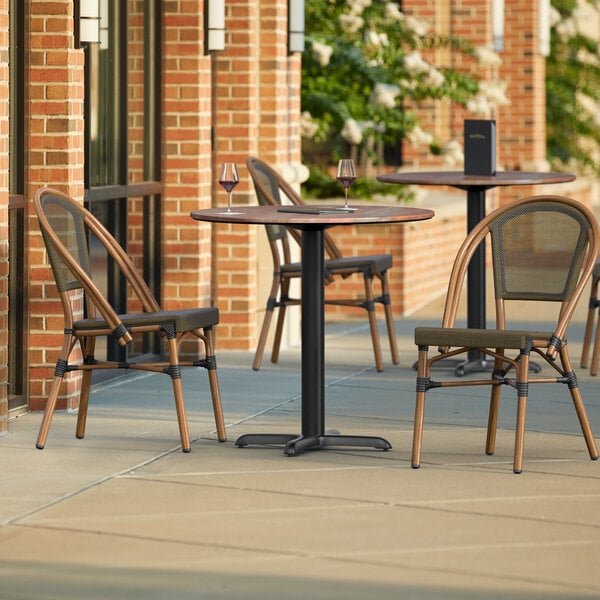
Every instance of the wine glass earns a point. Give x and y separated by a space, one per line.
346 175
228 179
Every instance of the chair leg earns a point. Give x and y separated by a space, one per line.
422 378
59 373
584 422
490 444
48 412
389 318
285 288
522 395
596 348
264 332
84 398
215 389
589 325
266 324
370 306
175 373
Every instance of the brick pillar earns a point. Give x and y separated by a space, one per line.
522 125
257 112
56 155
187 172
236 119
4 95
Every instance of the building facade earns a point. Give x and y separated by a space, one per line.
136 125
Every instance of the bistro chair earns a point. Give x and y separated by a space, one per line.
593 309
67 228
272 189
543 250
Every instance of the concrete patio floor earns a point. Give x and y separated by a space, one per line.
124 514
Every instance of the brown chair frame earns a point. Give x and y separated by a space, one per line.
65 227
551 346
592 316
272 189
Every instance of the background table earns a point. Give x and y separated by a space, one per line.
312 226
476 187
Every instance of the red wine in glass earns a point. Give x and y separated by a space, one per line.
228 179
346 175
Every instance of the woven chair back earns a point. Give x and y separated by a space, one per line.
538 250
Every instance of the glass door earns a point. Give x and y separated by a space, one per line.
17 397
122 165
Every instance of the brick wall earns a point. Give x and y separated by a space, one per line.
55 133
521 126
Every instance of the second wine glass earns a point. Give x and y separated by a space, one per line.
228 179
346 175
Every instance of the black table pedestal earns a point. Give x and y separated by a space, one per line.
313 434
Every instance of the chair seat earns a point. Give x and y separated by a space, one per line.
376 263
482 338
185 320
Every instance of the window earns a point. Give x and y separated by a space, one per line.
123 167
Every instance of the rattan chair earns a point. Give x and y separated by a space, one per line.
272 189
593 310
66 229
543 251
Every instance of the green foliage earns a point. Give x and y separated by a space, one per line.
363 74
572 93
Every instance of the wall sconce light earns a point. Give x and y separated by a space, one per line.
295 26
498 25
544 27
214 19
87 22
104 26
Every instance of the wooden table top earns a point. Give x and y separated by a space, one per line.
459 179
263 215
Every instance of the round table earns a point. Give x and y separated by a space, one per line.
312 225
476 187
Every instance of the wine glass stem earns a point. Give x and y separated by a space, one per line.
228 201
346 196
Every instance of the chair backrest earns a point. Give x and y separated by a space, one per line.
66 229
269 192
543 249
63 230
272 189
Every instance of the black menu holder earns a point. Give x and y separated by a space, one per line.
480 147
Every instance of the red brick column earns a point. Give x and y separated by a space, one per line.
186 151
257 112
236 119
56 156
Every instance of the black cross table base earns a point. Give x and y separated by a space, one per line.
294 444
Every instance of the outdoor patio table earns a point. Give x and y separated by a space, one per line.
476 187
312 226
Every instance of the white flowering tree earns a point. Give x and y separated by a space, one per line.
573 87
365 71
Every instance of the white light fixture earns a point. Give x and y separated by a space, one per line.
295 26
498 25
104 25
87 22
215 25
544 27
